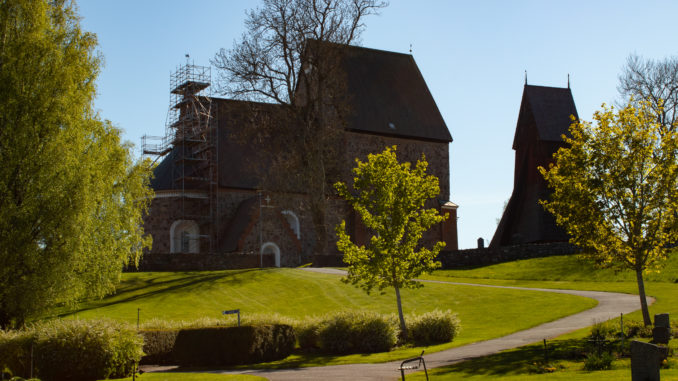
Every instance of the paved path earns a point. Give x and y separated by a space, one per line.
610 305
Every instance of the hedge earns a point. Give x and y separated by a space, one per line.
233 345
356 332
435 327
72 350
158 346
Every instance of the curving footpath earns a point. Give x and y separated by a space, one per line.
610 305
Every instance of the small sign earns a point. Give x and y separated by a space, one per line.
228 312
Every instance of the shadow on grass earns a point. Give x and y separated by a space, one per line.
192 279
518 361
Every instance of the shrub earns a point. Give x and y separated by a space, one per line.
158 346
634 328
433 327
307 334
356 332
233 345
598 362
15 352
74 350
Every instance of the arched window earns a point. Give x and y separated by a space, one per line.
293 220
271 248
184 237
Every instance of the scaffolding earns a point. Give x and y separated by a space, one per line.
191 140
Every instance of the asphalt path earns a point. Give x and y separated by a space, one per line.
610 305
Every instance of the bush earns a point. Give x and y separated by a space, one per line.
158 346
596 362
15 355
233 345
73 350
609 330
356 332
307 334
433 327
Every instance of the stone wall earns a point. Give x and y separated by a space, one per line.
198 262
489 256
359 145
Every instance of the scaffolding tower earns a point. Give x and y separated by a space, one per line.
191 141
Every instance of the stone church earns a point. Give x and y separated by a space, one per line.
209 210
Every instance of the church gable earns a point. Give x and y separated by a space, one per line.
546 109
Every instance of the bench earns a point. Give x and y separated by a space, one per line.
419 362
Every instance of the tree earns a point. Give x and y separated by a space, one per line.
291 56
615 190
71 197
655 82
390 197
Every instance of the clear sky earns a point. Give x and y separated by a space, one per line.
472 54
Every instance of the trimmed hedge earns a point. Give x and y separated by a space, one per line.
356 332
72 350
435 327
233 345
158 346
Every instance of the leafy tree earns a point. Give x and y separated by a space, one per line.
655 82
390 199
71 197
616 190
290 55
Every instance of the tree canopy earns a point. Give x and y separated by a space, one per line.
655 82
390 198
71 195
615 189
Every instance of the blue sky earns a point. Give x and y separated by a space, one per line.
472 54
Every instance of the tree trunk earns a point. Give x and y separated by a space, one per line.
403 327
643 301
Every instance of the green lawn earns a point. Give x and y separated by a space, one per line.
484 313
562 272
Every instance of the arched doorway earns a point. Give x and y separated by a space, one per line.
272 248
184 237
293 221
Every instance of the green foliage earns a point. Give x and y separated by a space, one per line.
72 350
615 189
434 327
71 196
356 332
233 345
610 330
594 361
158 346
390 198
308 334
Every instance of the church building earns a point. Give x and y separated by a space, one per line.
545 116
209 209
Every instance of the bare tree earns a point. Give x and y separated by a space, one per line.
290 55
654 81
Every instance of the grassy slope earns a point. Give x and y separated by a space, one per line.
484 313
557 272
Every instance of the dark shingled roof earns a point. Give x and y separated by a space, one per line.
551 108
390 97
162 173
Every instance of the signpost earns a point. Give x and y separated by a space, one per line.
232 312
